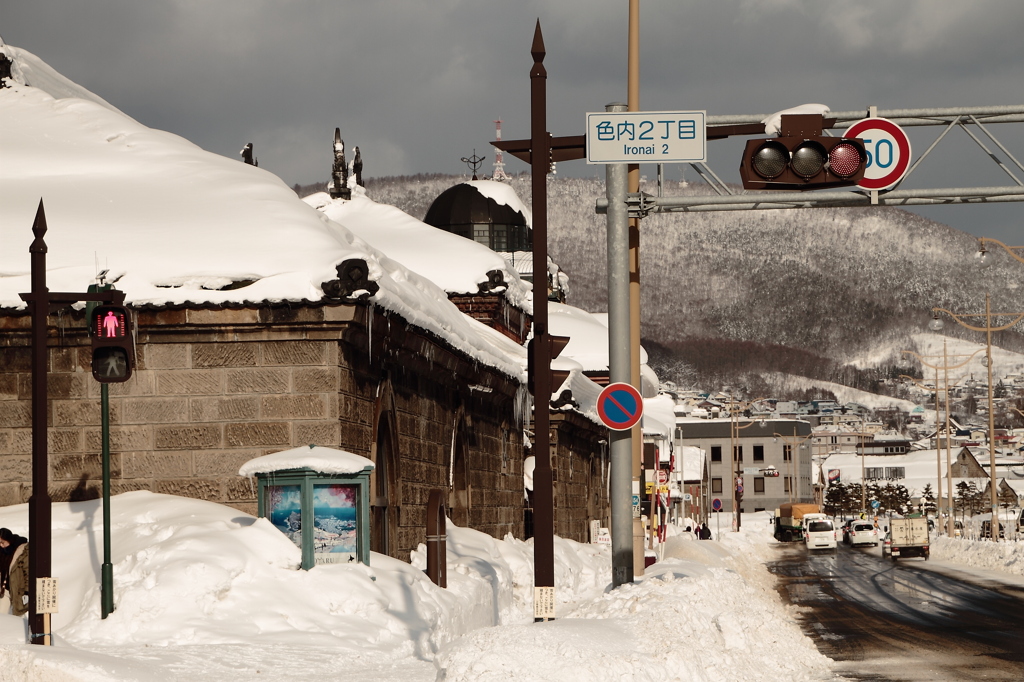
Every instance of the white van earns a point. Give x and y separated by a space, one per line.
819 532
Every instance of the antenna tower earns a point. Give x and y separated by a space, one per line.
499 166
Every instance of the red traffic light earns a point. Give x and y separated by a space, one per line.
801 158
113 344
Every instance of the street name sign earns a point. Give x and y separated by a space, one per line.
646 137
888 150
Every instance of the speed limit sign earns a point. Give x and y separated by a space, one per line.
888 151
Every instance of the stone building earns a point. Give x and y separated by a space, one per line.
214 388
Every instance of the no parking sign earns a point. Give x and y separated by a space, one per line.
620 406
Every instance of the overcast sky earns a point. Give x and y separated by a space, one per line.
417 85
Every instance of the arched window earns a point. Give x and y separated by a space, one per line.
460 497
383 486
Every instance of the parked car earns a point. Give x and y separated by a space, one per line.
986 529
846 530
819 533
863 533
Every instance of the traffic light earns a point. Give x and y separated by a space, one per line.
113 345
558 376
801 158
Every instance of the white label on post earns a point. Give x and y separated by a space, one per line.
46 595
543 602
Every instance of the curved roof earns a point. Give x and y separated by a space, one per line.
466 204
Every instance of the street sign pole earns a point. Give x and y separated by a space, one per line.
620 442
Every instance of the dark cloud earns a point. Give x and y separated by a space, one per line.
417 85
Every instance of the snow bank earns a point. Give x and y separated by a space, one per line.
206 593
1000 556
707 611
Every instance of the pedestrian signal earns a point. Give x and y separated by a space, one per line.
113 344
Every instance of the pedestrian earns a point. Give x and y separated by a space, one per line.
14 570
705 532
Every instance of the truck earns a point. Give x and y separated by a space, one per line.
789 520
908 536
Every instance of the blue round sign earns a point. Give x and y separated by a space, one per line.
716 504
620 406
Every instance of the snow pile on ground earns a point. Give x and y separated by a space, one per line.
706 611
204 592
1000 556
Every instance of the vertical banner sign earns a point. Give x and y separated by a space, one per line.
543 602
46 595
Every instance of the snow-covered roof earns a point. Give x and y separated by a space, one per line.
456 264
659 417
175 224
588 336
503 194
315 457
920 468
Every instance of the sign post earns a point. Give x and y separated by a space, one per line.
716 505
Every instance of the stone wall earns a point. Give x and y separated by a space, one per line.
579 469
215 388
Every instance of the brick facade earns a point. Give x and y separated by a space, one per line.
214 388
579 469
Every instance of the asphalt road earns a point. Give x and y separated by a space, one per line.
885 621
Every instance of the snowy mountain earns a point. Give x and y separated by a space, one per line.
829 294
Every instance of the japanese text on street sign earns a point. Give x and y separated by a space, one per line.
646 136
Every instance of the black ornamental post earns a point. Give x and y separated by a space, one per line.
543 493
39 512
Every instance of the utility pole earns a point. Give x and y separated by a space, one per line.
633 104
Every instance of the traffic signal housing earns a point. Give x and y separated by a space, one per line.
801 158
113 344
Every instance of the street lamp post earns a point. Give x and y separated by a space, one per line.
959 318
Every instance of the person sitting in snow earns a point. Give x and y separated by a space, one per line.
14 570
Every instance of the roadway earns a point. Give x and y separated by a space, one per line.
908 621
